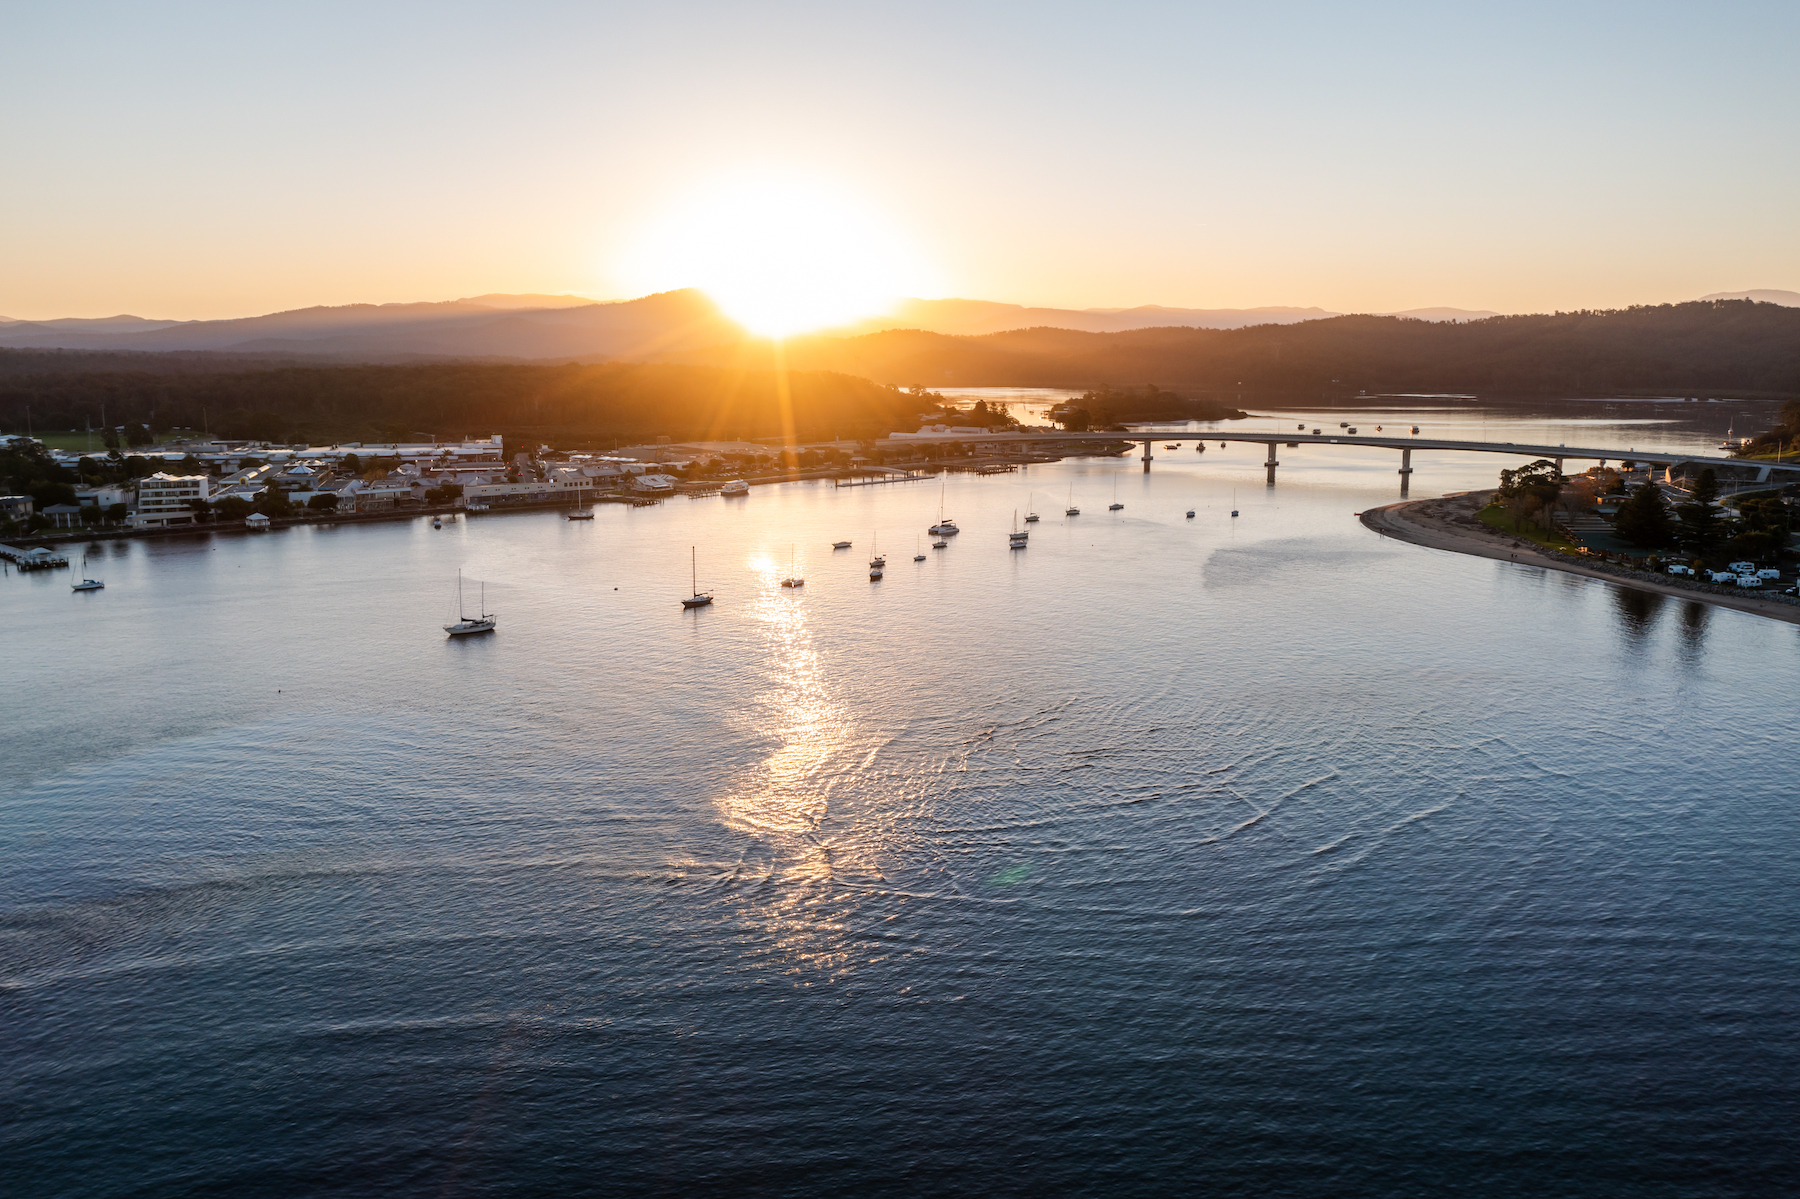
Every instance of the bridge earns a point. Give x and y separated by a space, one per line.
1405 443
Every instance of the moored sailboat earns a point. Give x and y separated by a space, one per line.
482 622
699 599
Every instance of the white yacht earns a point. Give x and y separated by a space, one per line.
735 487
466 624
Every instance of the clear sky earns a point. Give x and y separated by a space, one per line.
207 159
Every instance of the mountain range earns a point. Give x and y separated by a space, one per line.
560 327
674 324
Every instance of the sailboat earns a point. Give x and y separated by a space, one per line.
1017 539
1071 510
1115 505
1234 501
945 527
86 583
917 555
792 580
466 624
700 599
1031 517
879 560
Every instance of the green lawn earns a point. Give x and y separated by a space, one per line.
1495 517
80 441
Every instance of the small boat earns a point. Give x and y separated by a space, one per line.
917 556
437 523
792 580
1352 429
879 560
1415 429
579 516
1071 510
1378 428
1190 514
1115 505
1171 446
945 527
86 584
1343 424
466 624
875 574
700 599
1031 518
1234 503
939 544
735 487
840 545
1302 426
1199 447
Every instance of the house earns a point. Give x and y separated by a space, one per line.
655 484
15 507
64 516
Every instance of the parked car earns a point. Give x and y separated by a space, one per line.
1748 581
1742 568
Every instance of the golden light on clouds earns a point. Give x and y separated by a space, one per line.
778 256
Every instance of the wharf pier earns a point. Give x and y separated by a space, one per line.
35 558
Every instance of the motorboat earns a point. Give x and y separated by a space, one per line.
436 523
1234 509
1302 426
840 545
482 622
1343 424
735 487
875 574
1190 515
1171 446
1415 430
699 599
1352 430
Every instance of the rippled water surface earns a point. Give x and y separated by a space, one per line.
1254 857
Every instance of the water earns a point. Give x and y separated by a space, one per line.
1258 856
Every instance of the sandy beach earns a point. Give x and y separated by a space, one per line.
1449 523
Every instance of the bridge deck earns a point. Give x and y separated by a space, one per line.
1391 442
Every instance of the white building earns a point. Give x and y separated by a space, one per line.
163 500
654 483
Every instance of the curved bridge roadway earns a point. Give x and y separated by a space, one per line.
1404 443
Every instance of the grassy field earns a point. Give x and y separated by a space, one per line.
81 441
1495 517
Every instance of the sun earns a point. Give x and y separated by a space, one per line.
779 257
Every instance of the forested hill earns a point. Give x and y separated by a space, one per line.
570 404
1735 346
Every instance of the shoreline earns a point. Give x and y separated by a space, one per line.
1411 521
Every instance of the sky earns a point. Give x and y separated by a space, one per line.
196 160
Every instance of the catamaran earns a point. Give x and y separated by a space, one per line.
466 624
792 580
700 598
945 527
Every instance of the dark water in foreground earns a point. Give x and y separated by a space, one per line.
1254 857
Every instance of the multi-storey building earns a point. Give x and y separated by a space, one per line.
164 500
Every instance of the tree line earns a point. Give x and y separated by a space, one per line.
1702 348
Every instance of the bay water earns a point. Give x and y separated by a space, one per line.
1255 856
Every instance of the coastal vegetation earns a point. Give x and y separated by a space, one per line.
1105 408
1704 348
567 404
1782 441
